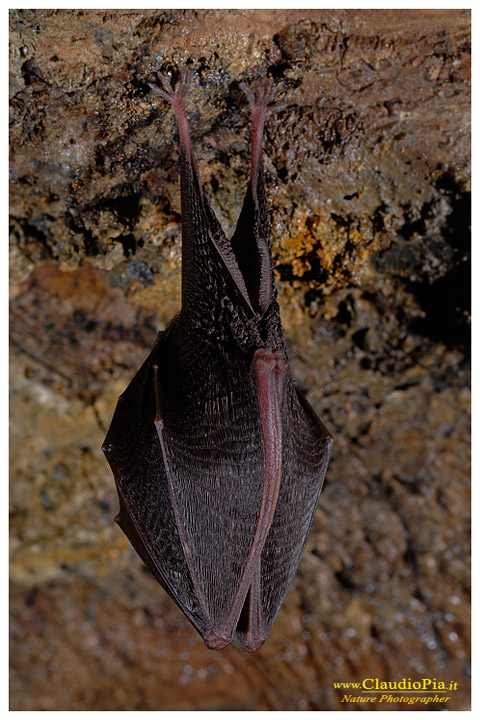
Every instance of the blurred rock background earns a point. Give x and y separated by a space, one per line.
368 183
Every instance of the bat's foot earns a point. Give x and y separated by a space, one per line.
259 93
176 97
165 90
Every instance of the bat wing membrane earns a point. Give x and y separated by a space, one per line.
190 494
214 462
133 451
306 448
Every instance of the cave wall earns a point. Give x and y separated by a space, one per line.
367 175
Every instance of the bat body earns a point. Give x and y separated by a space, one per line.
217 457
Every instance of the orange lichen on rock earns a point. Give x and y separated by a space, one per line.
328 251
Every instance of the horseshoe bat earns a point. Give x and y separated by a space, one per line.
217 456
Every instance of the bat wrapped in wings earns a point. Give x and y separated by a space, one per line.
218 458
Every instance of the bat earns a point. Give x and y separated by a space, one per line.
218 458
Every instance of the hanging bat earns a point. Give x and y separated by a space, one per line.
217 456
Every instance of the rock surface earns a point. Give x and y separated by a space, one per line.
368 183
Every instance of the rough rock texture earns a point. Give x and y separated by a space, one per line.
368 182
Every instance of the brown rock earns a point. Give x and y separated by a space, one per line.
368 182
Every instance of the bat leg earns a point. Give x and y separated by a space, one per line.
259 95
177 100
250 239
